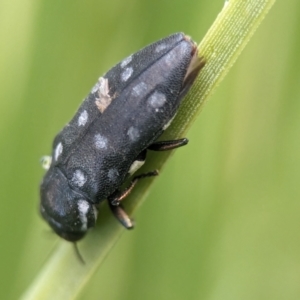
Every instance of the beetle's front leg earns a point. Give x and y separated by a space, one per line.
115 199
121 215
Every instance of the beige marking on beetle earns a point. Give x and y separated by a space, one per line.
103 100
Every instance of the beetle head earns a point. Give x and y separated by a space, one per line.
67 211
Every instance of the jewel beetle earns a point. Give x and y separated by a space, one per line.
108 138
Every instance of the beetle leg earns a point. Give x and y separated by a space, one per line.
115 199
168 145
121 215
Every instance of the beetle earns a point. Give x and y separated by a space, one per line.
108 138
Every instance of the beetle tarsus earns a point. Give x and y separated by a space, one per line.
168 145
121 215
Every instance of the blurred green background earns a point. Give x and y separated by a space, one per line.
222 221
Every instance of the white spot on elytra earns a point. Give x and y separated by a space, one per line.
79 178
83 208
126 61
126 74
157 100
140 89
100 141
113 174
135 166
83 118
133 133
160 47
170 58
58 151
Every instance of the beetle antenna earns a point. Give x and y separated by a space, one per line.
78 253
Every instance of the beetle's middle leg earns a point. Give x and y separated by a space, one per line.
115 198
118 196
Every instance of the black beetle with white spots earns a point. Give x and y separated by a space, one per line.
107 140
